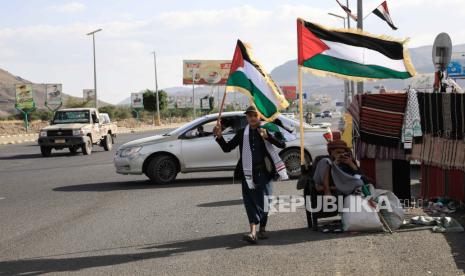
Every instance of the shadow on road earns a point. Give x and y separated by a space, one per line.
222 203
457 247
41 265
143 184
37 155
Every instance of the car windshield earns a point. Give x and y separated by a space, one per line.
68 117
185 127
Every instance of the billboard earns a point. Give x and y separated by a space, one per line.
206 72
171 102
205 103
54 94
290 92
88 94
181 102
137 100
456 68
24 99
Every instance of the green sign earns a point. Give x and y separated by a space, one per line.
24 97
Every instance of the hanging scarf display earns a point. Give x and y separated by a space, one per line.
412 124
381 119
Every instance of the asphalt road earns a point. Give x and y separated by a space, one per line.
74 215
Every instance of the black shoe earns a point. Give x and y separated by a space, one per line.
252 239
262 235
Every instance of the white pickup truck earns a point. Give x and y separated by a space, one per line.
77 128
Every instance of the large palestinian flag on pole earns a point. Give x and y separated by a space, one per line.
351 54
248 77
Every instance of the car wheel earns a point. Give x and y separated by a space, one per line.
291 159
46 151
162 169
107 143
87 147
73 149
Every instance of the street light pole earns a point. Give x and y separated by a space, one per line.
95 66
346 83
156 87
340 17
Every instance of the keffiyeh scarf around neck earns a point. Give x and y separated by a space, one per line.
247 160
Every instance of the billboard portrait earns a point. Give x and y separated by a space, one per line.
24 99
88 94
54 94
137 100
206 72
290 92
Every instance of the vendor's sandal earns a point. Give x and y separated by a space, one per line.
261 235
250 238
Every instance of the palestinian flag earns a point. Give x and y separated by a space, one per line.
279 131
351 54
382 12
247 76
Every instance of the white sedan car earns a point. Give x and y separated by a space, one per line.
192 148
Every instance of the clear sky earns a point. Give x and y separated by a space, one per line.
45 41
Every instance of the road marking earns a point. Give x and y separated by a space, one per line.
2 198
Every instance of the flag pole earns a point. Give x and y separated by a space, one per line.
221 107
301 116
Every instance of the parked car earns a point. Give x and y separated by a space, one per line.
318 115
192 148
76 128
289 115
327 114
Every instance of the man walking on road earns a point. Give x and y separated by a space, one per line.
258 165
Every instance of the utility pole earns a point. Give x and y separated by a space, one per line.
352 85
156 87
360 27
95 67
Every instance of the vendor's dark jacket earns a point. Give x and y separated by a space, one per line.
237 140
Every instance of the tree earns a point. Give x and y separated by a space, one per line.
150 101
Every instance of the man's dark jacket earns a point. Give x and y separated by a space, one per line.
237 140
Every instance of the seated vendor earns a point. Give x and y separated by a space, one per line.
340 156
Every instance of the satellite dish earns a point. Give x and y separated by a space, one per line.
442 51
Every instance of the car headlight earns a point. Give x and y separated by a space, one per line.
129 152
77 132
43 133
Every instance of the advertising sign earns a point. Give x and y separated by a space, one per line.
206 72
88 94
54 94
24 97
137 100
181 102
171 102
456 68
290 92
205 103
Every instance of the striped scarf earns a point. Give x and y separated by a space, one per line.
381 119
247 163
